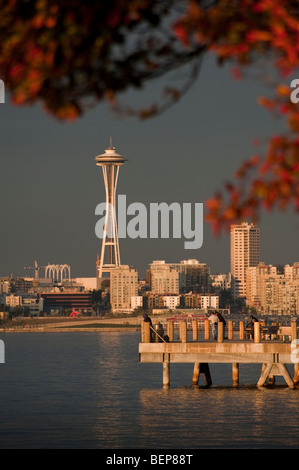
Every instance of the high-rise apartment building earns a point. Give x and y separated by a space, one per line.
292 272
164 278
193 276
244 252
255 277
173 278
123 286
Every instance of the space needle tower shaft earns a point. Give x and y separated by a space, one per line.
110 162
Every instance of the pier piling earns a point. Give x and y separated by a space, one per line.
294 337
195 377
146 332
183 331
230 329
272 369
235 374
220 331
241 330
194 330
170 330
257 332
166 374
201 368
207 329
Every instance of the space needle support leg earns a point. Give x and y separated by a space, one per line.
115 231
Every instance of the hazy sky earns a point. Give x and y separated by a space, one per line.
50 185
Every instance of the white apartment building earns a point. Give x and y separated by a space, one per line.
209 301
123 286
244 253
171 301
136 301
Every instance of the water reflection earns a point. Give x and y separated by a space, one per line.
87 390
189 417
115 410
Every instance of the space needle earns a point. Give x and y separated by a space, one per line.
110 161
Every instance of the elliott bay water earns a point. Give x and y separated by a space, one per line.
87 390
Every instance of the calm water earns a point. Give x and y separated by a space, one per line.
87 390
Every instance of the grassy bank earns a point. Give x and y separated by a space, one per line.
100 325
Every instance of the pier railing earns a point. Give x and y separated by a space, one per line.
258 332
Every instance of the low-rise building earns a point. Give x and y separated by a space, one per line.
221 281
209 301
171 301
13 300
57 301
136 301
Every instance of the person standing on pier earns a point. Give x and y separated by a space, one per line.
250 326
146 318
222 320
220 317
213 318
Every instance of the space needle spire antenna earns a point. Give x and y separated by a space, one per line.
110 161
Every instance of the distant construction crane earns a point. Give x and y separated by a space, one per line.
36 269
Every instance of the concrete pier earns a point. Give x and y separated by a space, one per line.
273 355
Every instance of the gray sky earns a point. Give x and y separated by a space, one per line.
50 184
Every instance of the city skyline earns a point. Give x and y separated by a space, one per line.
50 186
